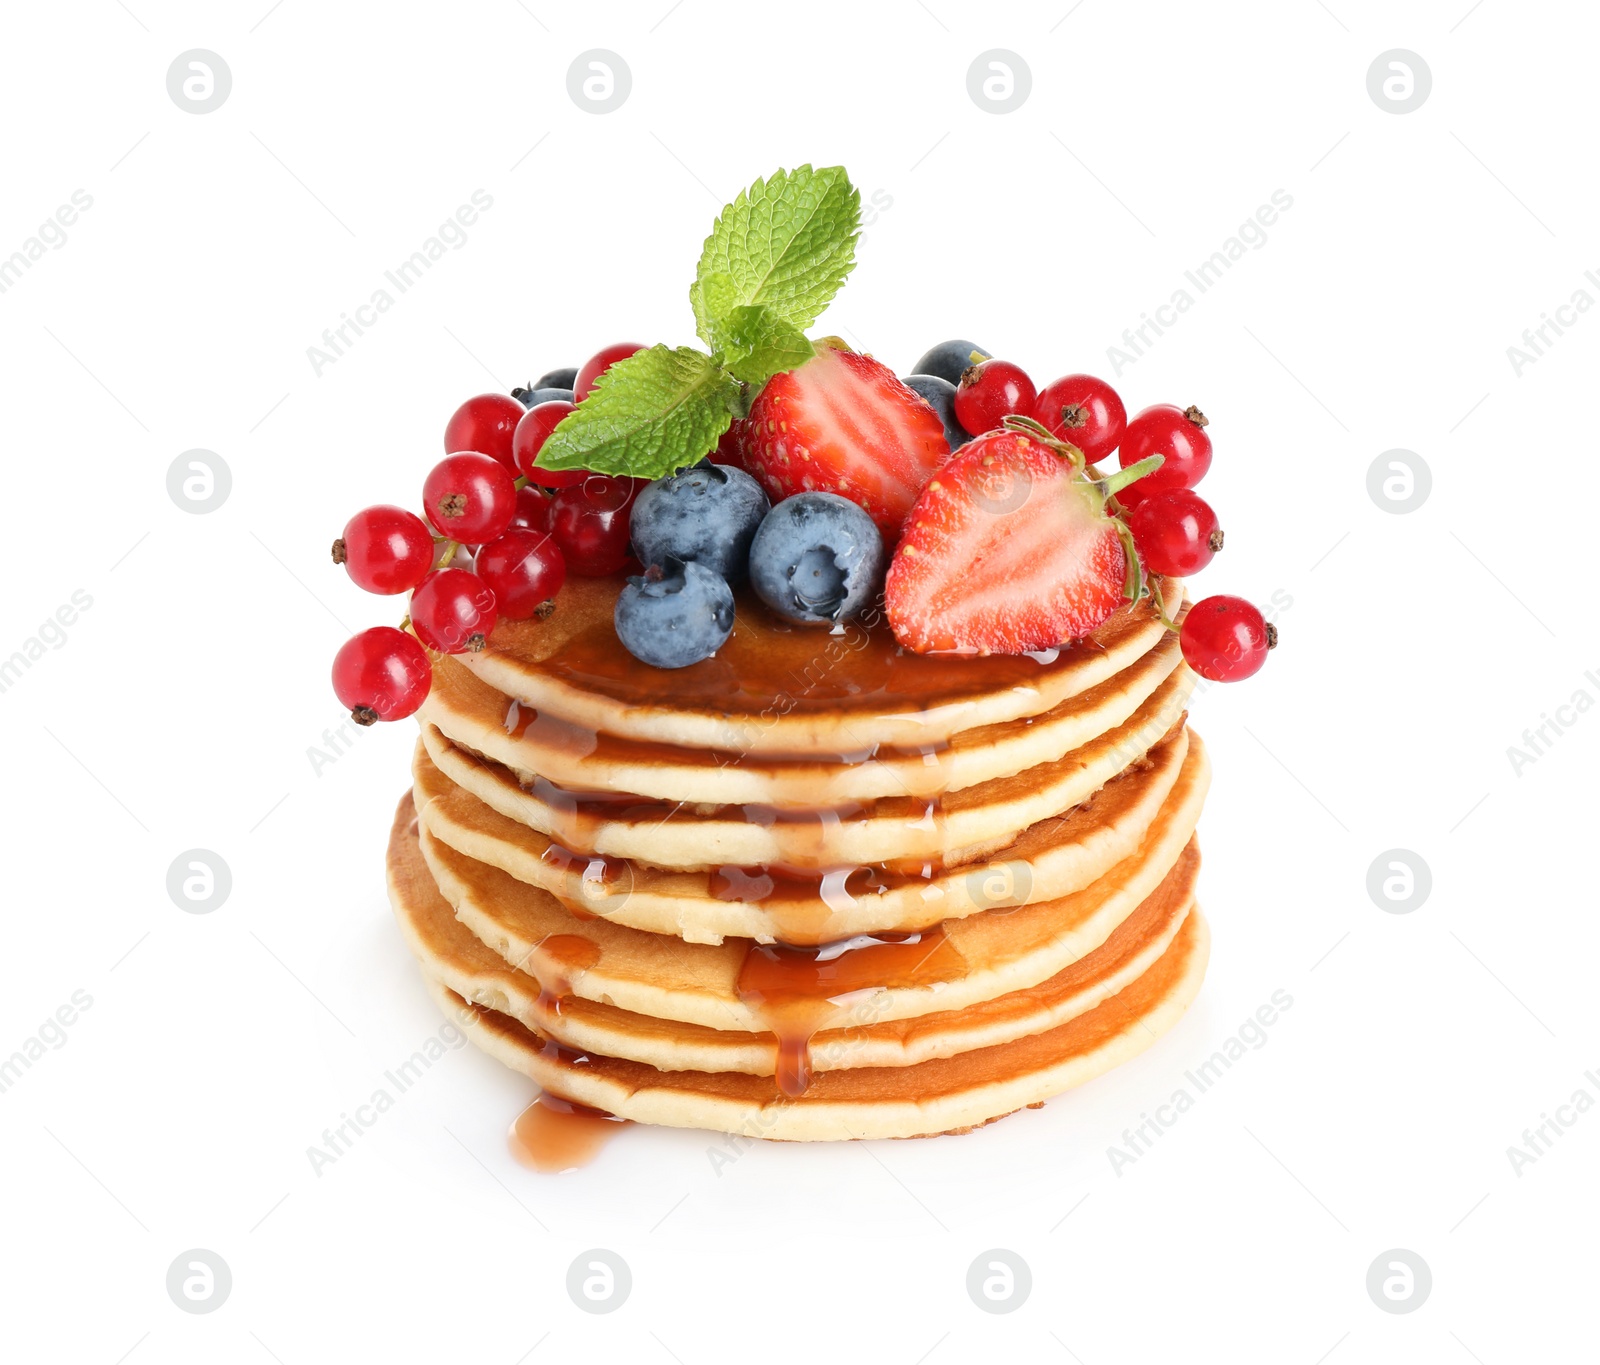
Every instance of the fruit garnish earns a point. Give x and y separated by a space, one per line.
817 559
707 513
597 364
1010 549
484 424
990 391
1176 533
524 570
842 423
775 258
949 360
1084 410
1226 639
453 611
381 674
590 522
940 395
470 497
675 614
1178 436
529 439
385 549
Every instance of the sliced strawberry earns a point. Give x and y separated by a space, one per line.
1008 550
842 423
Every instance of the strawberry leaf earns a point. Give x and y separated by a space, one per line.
647 416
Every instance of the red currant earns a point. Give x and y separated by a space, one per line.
597 364
532 432
385 549
453 611
989 391
534 507
1226 639
1176 532
524 570
470 497
591 523
381 674
484 424
1177 434
1083 410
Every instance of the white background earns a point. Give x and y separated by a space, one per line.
179 711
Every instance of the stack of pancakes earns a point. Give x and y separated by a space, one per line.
814 887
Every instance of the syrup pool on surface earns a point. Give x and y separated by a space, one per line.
554 1135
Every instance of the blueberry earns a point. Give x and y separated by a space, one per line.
940 395
555 379
674 615
532 397
948 359
817 558
707 513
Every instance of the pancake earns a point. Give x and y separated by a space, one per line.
948 1095
895 833
451 954
536 744
1049 859
779 689
963 962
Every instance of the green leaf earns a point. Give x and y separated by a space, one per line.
758 344
787 243
647 416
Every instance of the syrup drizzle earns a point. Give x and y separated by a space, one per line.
794 991
555 961
554 1135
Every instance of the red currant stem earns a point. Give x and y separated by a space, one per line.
1115 483
1161 607
1015 421
443 562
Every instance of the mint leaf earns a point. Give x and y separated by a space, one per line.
758 344
647 416
787 243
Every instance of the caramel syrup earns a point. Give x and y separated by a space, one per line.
554 1135
794 991
554 962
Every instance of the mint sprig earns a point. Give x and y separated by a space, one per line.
775 258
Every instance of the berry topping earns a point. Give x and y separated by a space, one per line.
1083 410
385 549
470 497
531 398
524 571
381 674
556 379
534 509
1178 436
842 423
453 611
1176 533
532 432
484 424
949 360
817 558
1009 550
590 523
991 390
730 447
1226 639
675 614
597 364
707 514
940 395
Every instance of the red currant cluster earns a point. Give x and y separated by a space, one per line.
499 539
1175 531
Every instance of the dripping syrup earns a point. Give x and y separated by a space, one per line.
794 991
555 1135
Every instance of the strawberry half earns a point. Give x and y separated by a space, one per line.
842 423
1008 550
